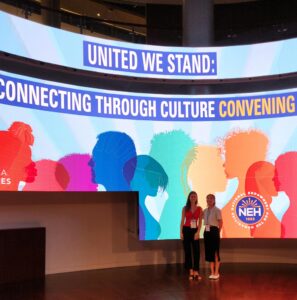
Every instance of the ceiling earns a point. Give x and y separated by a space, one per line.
92 7
178 2
130 11
235 21
233 18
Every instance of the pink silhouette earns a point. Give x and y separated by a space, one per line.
80 173
51 176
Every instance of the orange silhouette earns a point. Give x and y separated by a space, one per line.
206 172
15 156
285 180
241 150
260 179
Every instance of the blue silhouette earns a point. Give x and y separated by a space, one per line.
112 150
148 177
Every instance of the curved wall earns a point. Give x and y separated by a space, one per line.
97 232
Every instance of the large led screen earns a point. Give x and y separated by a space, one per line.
242 148
51 45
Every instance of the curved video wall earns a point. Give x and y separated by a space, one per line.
242 148
55 46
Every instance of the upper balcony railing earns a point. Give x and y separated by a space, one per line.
234 24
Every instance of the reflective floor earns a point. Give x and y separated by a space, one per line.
164 282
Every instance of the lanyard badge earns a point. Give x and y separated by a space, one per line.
193 223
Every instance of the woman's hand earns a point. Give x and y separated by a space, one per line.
181 236
196 236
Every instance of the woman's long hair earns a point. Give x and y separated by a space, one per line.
188 204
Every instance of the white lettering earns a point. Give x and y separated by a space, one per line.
109 57
152 61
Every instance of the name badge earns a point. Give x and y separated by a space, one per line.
207 228
193 223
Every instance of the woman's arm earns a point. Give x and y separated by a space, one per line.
220 219
197 234
200 220
220 224
182 224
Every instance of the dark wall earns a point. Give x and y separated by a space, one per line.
22 254
236 23
164 24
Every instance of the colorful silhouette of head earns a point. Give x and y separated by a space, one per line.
206 172
148 177
51 176
285 180
260 179
79 171
112 150
11 174
286 173
15 156
242 149
170 149
23 132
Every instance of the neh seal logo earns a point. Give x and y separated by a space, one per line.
250 211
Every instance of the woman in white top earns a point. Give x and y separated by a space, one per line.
213 223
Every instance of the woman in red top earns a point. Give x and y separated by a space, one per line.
189 232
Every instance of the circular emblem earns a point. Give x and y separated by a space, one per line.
250 210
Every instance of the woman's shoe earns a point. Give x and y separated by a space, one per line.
191 275
197 277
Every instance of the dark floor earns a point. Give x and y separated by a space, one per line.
164 282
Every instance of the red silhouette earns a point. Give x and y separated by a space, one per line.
260 179
15 156
285 180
